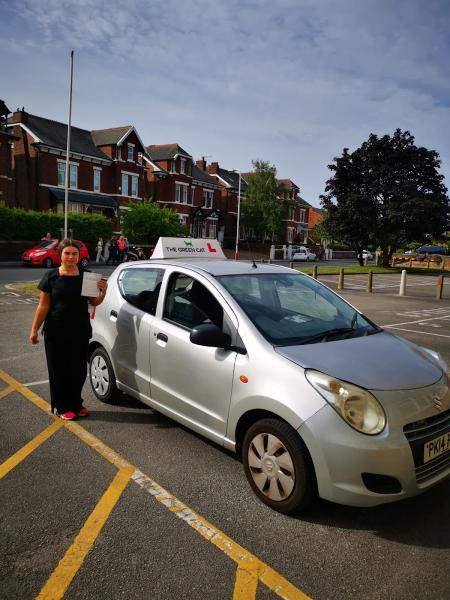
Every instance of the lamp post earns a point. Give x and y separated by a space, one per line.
236 252
67 173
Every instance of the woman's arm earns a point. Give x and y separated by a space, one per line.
39 316
102 286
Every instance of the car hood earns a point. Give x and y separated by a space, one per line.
377 362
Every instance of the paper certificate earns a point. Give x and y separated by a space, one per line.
89 286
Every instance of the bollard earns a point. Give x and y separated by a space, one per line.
315 272
291 265
369 282
262 261
270 261
402 291
341 279
440 286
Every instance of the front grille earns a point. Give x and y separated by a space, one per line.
435 426
420 432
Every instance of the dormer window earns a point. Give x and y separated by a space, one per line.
182 166
130 150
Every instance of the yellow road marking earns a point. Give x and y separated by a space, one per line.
56 586
26 450
250 569
7 391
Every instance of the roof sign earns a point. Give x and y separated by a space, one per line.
187 247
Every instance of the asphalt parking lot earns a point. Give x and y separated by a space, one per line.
128 504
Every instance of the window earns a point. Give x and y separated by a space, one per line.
212 229
181 193
290 234
189 303
124 184
207 198
130 152
134 185
302 215
183 219
61 173
73 174
97 173
140 287
192 196
182 166
118 153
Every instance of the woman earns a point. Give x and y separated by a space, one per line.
99 249
67 329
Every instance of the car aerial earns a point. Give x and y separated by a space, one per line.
276 367
304 254
45 254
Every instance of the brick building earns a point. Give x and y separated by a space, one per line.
6 149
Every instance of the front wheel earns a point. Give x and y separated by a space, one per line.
278 466
48 263
84 262
102 378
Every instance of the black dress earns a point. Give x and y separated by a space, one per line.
67 330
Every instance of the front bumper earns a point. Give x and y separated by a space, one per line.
345 459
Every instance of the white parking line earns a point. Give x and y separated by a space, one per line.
421 332
441 318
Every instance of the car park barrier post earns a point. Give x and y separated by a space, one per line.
291 265
402 291
315 271
440 287
341 279
369 282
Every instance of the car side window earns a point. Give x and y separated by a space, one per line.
189 303
140 287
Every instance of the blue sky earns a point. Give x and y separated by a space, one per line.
292 82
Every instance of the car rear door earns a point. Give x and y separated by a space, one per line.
189 382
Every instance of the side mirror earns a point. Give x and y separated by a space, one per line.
208 335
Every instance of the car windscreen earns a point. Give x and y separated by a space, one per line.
46 244
293 309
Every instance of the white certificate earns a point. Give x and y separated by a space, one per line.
89 287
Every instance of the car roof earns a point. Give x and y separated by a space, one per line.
213 267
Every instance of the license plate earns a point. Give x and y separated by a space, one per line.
436 447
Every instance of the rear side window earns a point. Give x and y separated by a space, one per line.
140 287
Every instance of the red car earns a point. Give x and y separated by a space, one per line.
45 254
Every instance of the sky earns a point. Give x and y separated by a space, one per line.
292 82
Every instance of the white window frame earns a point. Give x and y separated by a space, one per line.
182 166
97 179
181 195
130 147
134 186
183 219
212 227
208 198
61 171
290 234
124 184
302 215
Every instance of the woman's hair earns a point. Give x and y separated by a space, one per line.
67 243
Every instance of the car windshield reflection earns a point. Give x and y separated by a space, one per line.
290 309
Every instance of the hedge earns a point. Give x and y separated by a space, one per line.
20 224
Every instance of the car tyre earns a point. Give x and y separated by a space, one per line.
48 263
102 377
84 262
278 466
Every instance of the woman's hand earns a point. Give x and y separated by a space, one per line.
102 285
34 338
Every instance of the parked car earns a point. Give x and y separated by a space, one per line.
275 366
367 254
431 250
304 254
45 254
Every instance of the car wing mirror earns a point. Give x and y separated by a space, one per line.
208 334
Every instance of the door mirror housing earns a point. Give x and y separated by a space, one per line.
208 334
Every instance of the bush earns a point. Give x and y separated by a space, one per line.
144 222
20 224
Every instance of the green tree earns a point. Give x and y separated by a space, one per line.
145 222
262 209
386 193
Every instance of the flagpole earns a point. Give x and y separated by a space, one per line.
66 182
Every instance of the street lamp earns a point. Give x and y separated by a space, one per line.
236 251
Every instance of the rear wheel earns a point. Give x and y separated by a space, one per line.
48 263
102 378
278 466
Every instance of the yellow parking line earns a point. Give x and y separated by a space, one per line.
66 570
250 569
7 391
21 454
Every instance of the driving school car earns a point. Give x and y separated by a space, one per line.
275 366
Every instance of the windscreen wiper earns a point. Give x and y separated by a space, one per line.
324 335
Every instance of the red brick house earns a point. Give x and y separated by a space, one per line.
6 144
296 223
187 188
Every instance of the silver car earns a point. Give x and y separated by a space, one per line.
272 364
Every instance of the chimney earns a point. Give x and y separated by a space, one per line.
201 164
213 168
20 116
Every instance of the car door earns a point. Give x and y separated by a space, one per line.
192 383
133 316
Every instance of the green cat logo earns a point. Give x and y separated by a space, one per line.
188 244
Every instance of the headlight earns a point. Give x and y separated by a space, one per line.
356 406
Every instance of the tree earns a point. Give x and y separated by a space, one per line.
262 211
386 193
145 222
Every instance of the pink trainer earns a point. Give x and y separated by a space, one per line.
68 416
83 412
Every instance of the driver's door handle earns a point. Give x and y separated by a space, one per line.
163 337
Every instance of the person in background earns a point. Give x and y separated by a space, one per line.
47 236
121 246
99 249
67 330
113 251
